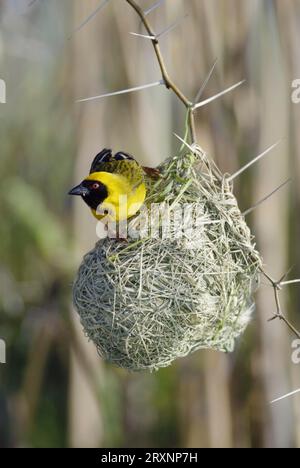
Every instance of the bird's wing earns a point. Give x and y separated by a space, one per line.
104 156
130 168
152 172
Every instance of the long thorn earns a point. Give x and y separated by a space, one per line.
183 141
153 7
123 91
245 213
171 27
145 36
284 283
90 17
285 396
253 161
285 275
199 94
162 33
216 96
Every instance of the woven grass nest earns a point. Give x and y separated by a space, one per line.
150 301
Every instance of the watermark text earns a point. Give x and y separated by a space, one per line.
2 352
296 93
159 220
2 91
296 352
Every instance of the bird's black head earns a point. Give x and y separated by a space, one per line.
92 192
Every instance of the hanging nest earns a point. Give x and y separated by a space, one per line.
150 301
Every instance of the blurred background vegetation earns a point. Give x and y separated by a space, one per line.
54 389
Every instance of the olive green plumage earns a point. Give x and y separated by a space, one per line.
120 163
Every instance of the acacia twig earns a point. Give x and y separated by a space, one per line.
277 285
169 83
166 80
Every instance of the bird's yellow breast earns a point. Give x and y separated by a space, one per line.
123 200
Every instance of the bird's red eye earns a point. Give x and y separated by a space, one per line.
95 185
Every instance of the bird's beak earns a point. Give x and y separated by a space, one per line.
79 190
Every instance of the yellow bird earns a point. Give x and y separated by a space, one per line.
115 186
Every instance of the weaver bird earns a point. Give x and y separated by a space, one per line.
115 186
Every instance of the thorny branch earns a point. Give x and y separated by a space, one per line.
169 83
166 80
277 286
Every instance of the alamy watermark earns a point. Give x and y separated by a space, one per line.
2 91
296 91
295 357
2 352
160 220
296 352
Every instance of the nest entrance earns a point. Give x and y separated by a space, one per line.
150 301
